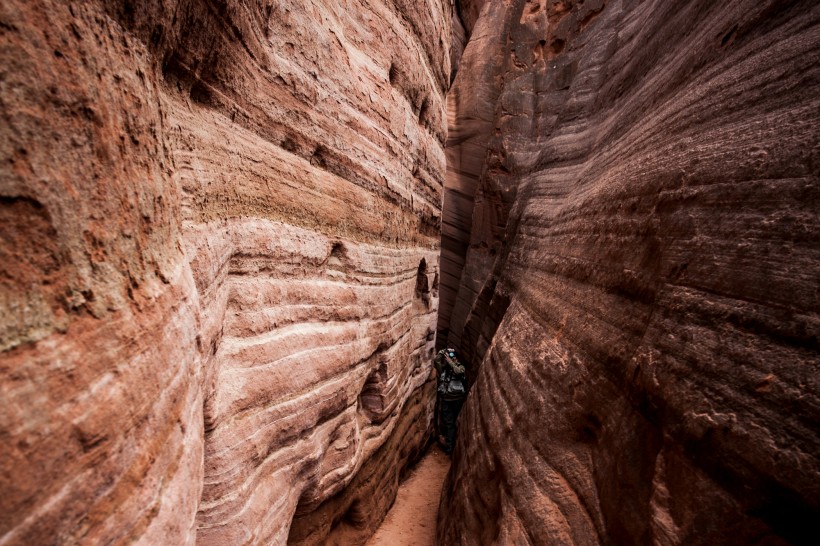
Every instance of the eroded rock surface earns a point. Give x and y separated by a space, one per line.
219 231
630 254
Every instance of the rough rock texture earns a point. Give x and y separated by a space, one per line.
219 230
465 14
348 518
468 12
630 253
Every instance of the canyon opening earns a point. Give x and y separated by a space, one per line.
236 235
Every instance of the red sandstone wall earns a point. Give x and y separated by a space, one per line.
630 253
212 220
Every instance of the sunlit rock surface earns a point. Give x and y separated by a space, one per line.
630 253
219 232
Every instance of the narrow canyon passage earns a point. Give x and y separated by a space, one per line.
412 519
234 234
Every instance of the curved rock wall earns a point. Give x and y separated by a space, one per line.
218 263
630 254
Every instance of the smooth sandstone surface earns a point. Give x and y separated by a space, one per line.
630 261
219 239
219 268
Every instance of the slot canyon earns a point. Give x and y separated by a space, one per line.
235 233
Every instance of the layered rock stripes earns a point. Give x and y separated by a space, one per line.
629 262
220 232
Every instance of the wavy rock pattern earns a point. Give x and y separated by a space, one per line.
218 264
630 253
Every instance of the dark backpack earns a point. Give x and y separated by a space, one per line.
452 386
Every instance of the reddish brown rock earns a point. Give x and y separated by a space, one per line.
468 12
219 231
630 254
354 514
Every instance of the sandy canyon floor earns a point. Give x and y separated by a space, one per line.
412 520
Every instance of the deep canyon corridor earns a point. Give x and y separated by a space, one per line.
236 235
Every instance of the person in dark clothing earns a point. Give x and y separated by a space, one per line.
449 410
452 390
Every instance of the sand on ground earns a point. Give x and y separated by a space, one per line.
412 519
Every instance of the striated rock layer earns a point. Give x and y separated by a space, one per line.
219 231
630 253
